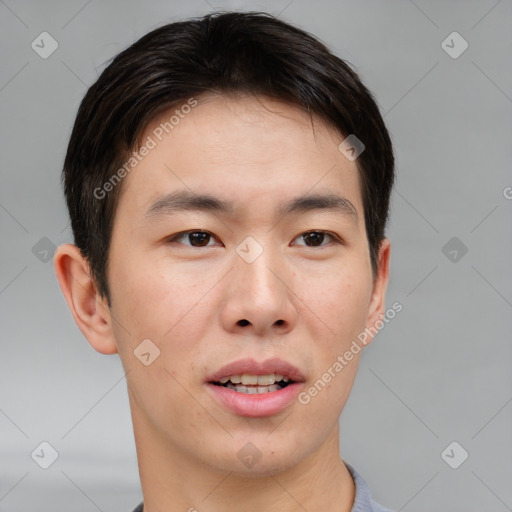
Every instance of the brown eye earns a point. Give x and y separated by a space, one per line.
194 238
314 238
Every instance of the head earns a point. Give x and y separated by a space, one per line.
215 215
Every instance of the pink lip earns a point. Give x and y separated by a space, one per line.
257 405
253 367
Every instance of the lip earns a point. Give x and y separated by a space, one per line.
253 367
256 405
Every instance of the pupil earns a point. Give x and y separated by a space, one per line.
315 237
199 237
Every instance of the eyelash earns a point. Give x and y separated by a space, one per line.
177 236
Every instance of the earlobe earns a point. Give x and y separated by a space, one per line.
378 300
89 310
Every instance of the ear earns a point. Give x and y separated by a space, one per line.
90 311
378 300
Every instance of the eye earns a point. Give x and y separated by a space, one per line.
196 238
202 238
315 238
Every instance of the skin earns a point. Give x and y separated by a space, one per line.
305 304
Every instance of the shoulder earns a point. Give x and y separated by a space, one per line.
363 501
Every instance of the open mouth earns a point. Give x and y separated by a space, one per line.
254 384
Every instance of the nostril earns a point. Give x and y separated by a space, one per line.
243 322
280 322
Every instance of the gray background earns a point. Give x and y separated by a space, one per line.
439 372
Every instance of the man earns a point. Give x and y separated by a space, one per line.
228 183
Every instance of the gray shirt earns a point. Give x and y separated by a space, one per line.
363 501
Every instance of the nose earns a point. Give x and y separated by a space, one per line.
259 297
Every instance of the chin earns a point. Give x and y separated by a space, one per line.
251 462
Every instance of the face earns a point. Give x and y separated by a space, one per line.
257 274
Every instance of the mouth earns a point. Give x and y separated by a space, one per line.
255 389
251 376
254 384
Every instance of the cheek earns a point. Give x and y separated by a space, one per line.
336 299
339 304
154 299
166 308
335 311
339 299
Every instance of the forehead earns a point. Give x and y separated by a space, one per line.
252 151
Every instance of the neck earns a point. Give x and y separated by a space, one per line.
173 481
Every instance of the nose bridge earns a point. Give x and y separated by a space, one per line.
257 269
259 295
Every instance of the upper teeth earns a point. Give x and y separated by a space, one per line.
260 380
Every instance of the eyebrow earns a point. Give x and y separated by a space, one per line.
184 200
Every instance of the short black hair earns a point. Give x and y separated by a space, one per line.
228 53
